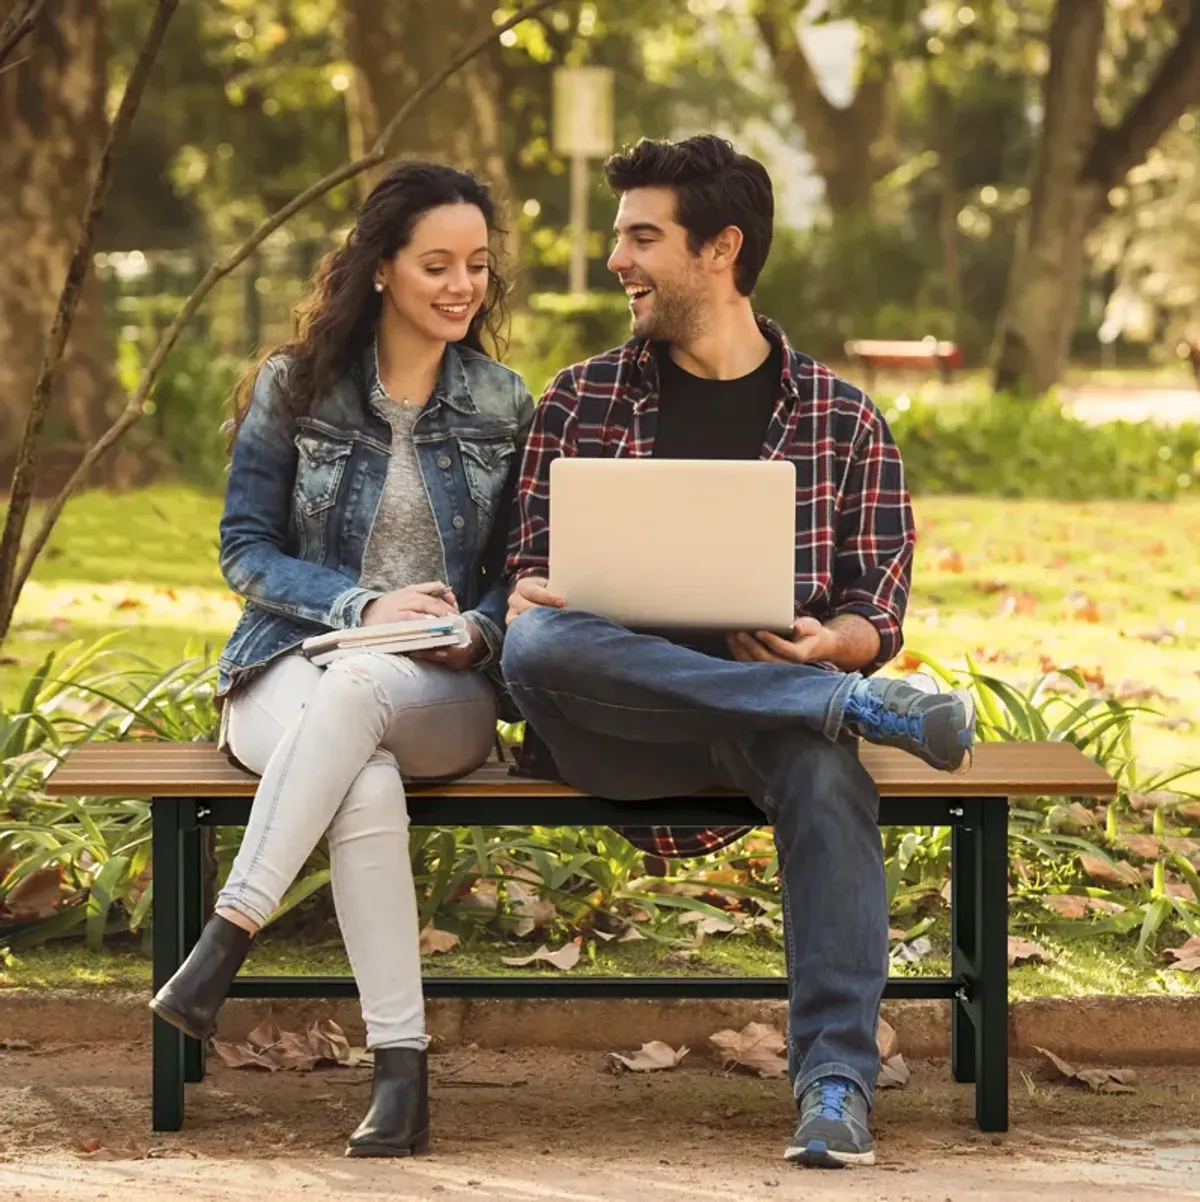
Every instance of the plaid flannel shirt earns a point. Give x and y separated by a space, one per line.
854 525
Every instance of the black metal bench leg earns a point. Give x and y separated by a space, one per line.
991 959
962 949
168 1057
192 902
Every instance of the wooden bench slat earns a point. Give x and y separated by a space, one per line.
200 770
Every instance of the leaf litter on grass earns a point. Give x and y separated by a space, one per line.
1187 957
565 957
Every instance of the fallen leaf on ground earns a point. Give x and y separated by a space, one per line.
566 957
1081 815
1021 951
433 941
631 935
894 934
1187 957
1018 604
1120 874
1145 847
650 1057
36 896
756 1046
267 1047
989 587
1098 1080
885 1037
1160 634
1082 608
708 924
893 1073
1190 813
533 912
946 559
1072 905
912 953
1137 690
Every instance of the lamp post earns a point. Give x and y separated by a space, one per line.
583 129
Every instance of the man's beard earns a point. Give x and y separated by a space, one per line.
675 316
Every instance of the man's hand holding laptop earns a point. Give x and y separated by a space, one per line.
528 593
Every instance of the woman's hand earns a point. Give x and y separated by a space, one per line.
458 658
434 599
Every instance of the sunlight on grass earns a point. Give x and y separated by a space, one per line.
1080 967
1106 587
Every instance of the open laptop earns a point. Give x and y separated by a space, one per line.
676 544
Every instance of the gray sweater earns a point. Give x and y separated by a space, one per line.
404 547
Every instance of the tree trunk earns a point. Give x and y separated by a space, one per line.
52 126
848 145
1039 315
1078 162
393 48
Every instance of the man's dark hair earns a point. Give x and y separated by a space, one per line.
715 187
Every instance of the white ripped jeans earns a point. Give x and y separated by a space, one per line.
332 745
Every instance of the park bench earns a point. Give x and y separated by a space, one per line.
899 355
191 786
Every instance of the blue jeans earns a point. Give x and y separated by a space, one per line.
634 717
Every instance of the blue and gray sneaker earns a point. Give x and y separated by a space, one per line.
911 714
833 1131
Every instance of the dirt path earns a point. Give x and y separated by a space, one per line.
538 1126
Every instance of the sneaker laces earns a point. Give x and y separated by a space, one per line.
834 1093
879 719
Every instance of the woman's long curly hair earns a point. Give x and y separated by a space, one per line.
335 322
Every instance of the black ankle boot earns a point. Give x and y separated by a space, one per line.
397 1123
191 998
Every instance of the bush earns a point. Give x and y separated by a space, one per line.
188 403
1006 447
80 866
827 285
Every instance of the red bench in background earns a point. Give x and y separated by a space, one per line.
900 355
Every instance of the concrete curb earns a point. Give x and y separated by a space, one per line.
1112 1030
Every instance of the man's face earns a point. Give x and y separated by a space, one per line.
665 282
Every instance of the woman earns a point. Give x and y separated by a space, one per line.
374 459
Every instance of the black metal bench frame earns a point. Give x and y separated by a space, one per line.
977 986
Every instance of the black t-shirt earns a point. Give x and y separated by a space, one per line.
700 418
714 419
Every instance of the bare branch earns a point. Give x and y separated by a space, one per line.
1173 90
18 24
25 471
218 271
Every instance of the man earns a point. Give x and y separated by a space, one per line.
630 716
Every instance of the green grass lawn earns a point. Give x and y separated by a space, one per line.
1110 588
1094 966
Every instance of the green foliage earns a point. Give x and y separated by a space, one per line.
81 866
70 863
558 329
1048 836
1004 447
829 284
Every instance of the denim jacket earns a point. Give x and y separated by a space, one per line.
304 489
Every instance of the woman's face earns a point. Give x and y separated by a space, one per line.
437 282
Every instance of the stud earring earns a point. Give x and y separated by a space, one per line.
378 286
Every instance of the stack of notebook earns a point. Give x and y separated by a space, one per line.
388 638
